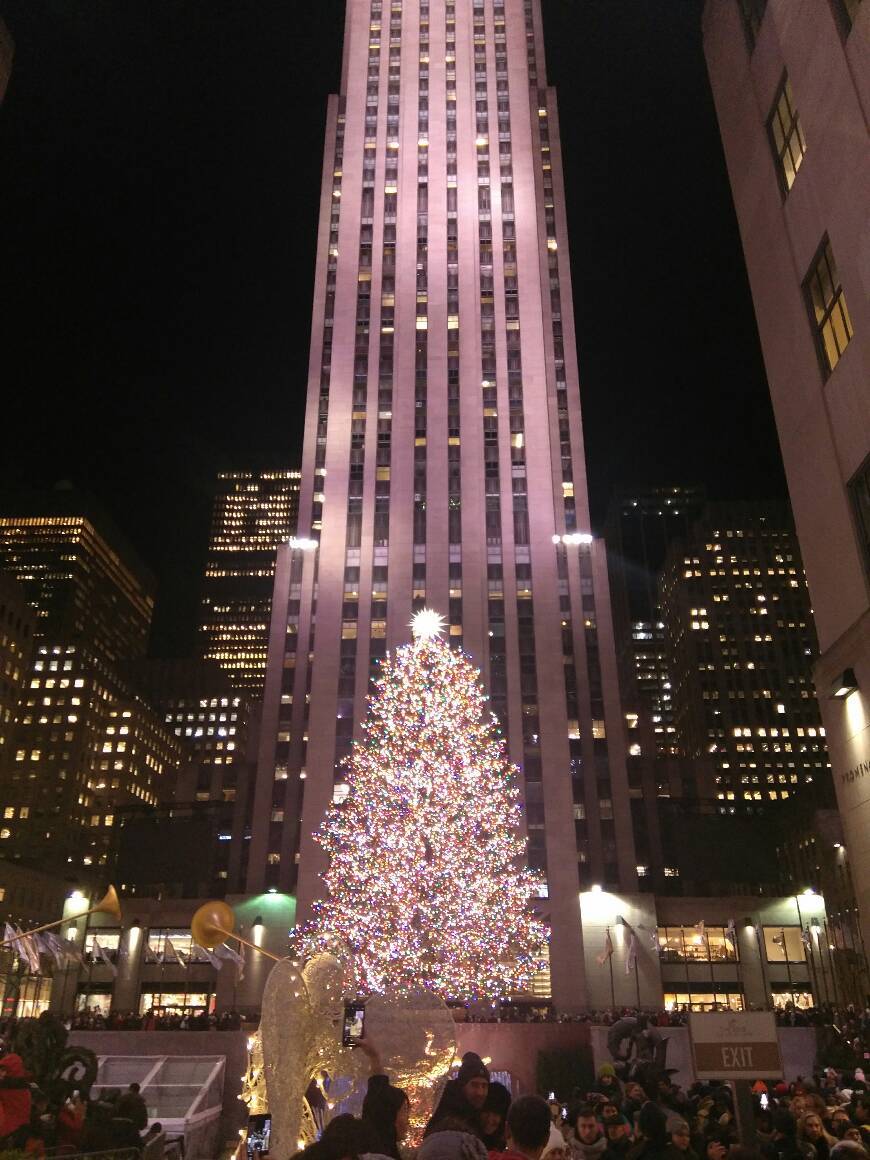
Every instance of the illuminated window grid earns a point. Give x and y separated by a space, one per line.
786 136
828 310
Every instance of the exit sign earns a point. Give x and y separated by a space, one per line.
735 1045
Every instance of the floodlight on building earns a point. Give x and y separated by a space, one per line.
844 684
302 544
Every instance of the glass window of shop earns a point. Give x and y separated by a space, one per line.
181 940
724 1000
177 1002
784 997
783 944
679 944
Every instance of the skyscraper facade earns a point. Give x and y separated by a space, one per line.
443 460
17 621
254 513
84 743
740 631
642 523
790 83
86 585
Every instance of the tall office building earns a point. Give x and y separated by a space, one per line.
254 513
83 744
791 83
17 622
642 523
443 460
86 585
737 613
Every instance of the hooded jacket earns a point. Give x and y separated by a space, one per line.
15 1100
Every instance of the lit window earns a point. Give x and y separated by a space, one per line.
828 310
786 136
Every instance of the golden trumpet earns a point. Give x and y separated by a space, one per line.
213 924
108 904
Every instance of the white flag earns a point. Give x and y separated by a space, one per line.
196 951
173 955
226 952
631 957
103 954
654 942
28 951
731 932
54 948
608 949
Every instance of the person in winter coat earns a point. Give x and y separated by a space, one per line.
608 1084
811 1131
15 1100
464 1097
584 1135
493 1116
653 1139
529 1130
680 1147
386 1111
619 1142
131 1106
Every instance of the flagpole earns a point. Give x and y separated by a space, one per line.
637 981
787 964
610 964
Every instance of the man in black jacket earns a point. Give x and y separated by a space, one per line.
464 1097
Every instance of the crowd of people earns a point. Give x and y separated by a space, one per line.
642 1114
93 1019
115 1121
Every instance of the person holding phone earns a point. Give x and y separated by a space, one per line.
386 1112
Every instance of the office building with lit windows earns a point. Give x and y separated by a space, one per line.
84 742
737 615
212 796
17 622
792 92
641 524
443 459
254 513
86 585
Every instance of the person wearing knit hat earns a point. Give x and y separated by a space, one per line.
617 1129
464 1097
493 1116
608 1083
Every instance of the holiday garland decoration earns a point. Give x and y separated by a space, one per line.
427 886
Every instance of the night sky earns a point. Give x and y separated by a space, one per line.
159 178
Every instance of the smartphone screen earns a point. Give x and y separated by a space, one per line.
354 1024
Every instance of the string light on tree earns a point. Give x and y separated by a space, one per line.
427 885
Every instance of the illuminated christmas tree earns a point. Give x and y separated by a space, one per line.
426 885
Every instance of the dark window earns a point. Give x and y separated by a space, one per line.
827 306
752 12
859 492
847 13
786 136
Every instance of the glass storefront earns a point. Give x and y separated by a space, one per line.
718 1000
177 1002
